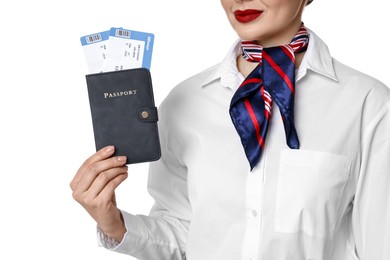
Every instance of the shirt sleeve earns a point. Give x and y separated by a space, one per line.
106 241
163 233
371 210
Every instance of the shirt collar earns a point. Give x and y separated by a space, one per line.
227 70
317 59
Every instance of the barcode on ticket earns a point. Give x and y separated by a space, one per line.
122 33
93 38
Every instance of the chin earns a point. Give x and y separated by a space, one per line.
250 33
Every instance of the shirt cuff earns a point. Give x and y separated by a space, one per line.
106 241
131 240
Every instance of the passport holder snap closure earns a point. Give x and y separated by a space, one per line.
148 114
144 114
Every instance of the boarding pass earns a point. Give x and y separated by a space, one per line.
117 49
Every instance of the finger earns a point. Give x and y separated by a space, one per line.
87 197
102 154
113 199
87 175
103 179
109 190
94 170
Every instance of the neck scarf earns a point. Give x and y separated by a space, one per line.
273 79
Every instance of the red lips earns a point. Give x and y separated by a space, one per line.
246 16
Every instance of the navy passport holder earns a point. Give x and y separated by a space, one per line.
124 114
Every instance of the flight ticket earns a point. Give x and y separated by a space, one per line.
117 49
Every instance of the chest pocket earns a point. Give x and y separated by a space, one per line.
309 192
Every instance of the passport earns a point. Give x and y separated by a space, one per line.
124 113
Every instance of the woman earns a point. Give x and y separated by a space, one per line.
261 159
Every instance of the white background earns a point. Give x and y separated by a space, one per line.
46 131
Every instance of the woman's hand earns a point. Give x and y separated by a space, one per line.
94 188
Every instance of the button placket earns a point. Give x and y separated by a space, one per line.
253 215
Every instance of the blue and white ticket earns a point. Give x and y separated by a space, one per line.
95 50
122 49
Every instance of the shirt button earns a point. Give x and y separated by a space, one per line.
254 213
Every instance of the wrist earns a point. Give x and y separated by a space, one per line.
115 229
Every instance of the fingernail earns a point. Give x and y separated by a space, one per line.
121 158
110 149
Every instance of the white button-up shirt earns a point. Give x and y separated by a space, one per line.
329 200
